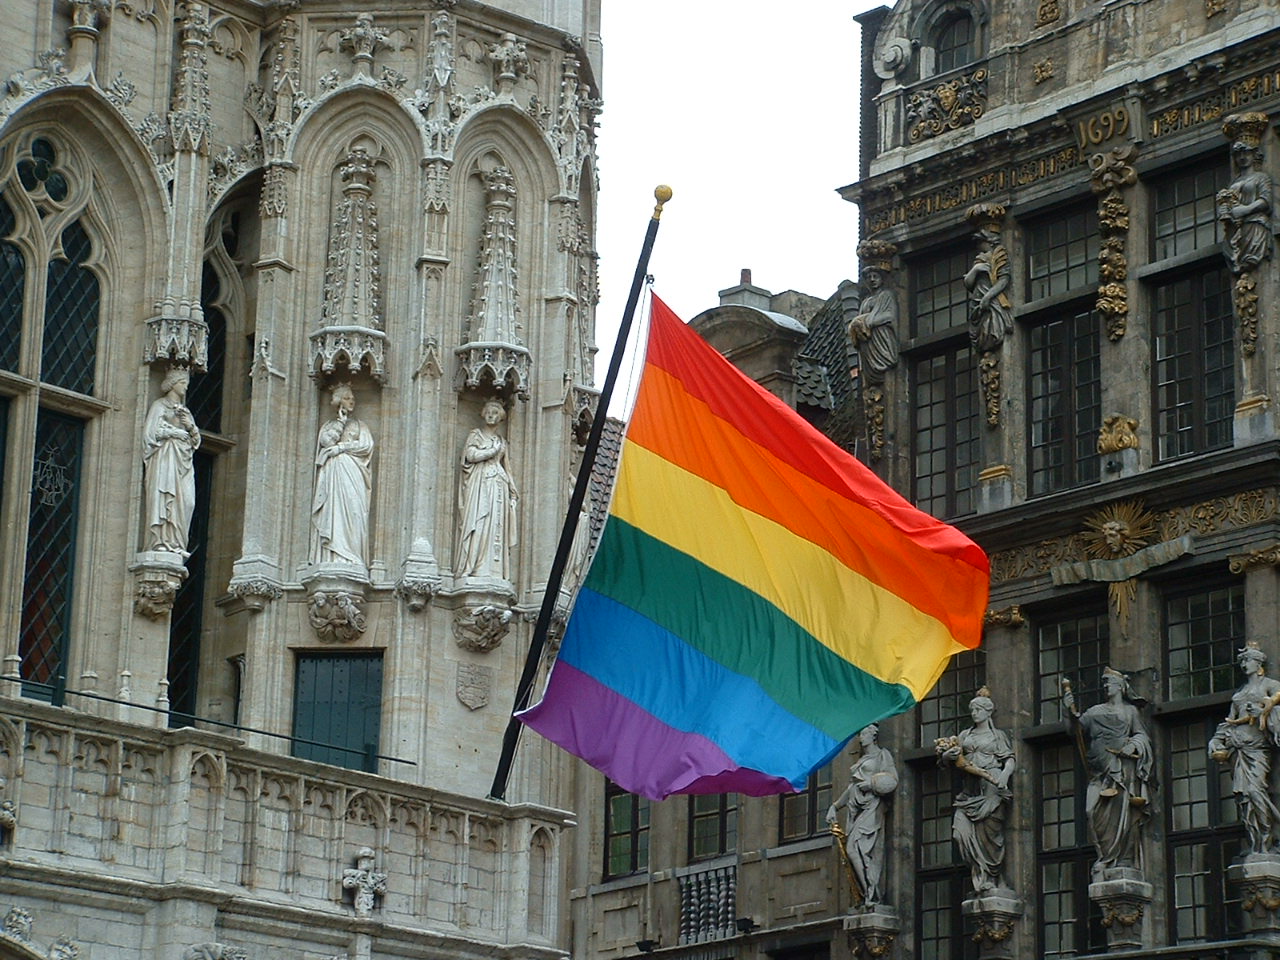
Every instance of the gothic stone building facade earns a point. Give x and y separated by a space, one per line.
1071 206
296 310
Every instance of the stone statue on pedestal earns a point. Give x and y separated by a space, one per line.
985 755
487 501
344 486
1247 740
1120 762
872 780
170 439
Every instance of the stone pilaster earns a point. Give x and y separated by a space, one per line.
1257 880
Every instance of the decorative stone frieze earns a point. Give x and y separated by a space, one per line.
494 352
214 951
255 592
946 106
481 628
351 326
1110 173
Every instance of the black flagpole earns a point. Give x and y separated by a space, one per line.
524 690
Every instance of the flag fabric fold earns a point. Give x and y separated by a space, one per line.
757 597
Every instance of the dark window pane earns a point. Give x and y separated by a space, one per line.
1076 649
626 832
1185 214
955 43
1062 253
204 398
188 606
13 277
50 557
1064 399
71 316
946 432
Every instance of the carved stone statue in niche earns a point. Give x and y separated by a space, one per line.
1247 740
1245 207
1120 762
872 780
487 499
984 755
874 329
344 485
170 439
991 313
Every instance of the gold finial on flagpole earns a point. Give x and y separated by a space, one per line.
661 193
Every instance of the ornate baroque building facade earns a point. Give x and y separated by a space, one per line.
296 312
1063 341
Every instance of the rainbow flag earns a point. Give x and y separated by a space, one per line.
758 595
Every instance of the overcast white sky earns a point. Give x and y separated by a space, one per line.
748 110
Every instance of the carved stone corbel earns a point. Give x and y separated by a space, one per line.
337 615
158 574
872 933
1010 616
995 919
481 628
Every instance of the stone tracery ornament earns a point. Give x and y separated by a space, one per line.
494 352
351 331
1048 11
362 40
436 100
1117 433
947 106
1111 173
990 313
1245 210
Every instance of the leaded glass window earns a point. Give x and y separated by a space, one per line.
1203 630
1204 837
1074 648
713 825
626 832
71 316
1186 216
946 708
1069 924
50 556
1062 253
802 815
13 275
1064 393
1194 370
939 300
946 403
942 879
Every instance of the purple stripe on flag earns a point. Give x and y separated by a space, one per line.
635 749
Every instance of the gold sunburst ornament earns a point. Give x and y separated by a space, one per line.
1117 531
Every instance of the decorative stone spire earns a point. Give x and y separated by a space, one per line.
494 350
351 331
189 119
